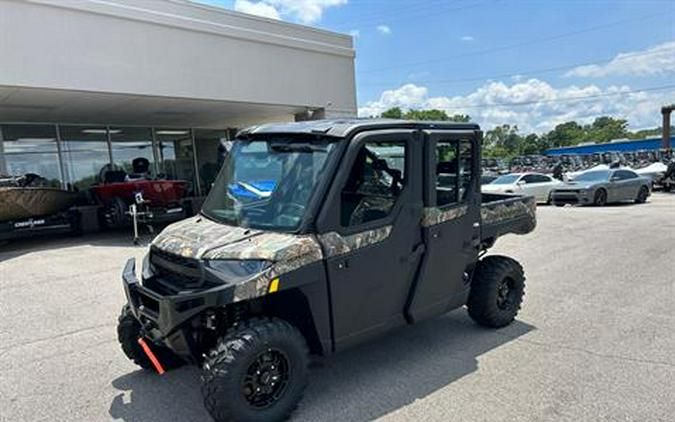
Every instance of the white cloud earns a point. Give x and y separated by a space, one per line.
258 9
542 109
384 29
304 11
656 60
466 38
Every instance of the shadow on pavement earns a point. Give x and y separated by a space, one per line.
358 385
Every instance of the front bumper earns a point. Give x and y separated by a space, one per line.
572 197
166 319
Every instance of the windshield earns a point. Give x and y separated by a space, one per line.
506 179
593 176
267 184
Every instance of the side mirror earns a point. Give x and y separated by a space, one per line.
521 183
614 178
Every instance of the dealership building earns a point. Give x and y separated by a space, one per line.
89 84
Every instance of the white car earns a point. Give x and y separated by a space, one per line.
536 184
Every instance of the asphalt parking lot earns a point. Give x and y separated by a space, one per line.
595 340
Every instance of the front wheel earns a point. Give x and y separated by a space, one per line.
257 372
497 291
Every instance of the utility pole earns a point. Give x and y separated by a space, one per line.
665 111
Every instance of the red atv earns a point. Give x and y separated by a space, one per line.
155 199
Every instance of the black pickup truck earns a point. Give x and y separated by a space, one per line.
317 236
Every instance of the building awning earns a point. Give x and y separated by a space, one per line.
19 104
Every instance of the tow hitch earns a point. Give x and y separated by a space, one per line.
151 356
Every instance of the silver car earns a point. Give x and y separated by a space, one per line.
600 187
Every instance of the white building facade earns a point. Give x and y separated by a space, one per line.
85 83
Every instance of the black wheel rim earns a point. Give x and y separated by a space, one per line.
506 294
600 198
266 379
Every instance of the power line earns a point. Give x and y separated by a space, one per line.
526 72
515 45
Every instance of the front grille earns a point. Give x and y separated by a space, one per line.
567 199
174 273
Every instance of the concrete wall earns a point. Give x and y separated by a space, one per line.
174 49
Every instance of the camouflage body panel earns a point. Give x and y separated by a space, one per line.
495 212
433 215
201 238
335 244
194 236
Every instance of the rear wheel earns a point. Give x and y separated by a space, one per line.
600 198
257 372
116 213
497 291
642 195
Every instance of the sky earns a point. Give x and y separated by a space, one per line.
530 63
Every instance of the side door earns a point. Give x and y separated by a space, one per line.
450 225
630 184
544 185
530 185
620 186
369 225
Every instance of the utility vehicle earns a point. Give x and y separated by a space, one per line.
317 236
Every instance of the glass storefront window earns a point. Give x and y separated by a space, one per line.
130 143
176 156
85 153
32 149
212 146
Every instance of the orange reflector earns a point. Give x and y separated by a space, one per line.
151 356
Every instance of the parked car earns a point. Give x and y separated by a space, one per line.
600 187
535 184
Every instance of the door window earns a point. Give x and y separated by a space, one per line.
536 178
624 175
454 171
375 182
530 178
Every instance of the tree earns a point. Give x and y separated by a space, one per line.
505 139
604 129
565 134
393 113
431 114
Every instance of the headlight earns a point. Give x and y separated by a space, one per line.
237 269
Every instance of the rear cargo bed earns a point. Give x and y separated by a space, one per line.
502 214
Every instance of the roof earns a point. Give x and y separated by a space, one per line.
341 128
616 146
